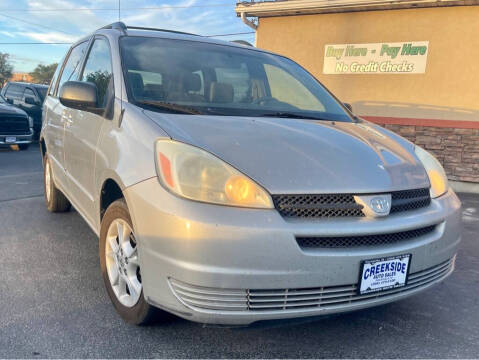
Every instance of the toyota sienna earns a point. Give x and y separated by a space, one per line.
227 185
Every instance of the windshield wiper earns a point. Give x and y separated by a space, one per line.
171 107
289 115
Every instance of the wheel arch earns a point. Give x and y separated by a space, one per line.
43 147
111 191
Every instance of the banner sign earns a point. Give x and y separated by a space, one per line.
407 57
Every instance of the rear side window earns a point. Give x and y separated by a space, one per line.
98 70
14 91
72 66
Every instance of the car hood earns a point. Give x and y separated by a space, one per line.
303 156
7 109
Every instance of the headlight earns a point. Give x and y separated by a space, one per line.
437 176
30 121
198 175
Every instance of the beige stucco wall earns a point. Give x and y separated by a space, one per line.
449 89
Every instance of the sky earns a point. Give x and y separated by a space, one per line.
64 21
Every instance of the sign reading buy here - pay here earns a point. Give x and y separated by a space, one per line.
407 57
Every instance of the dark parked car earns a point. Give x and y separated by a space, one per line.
16 127
28 97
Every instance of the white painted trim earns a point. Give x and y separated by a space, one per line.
303 7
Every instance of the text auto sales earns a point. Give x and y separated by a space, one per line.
388 269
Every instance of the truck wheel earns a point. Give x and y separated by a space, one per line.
23 146
54 198
120 267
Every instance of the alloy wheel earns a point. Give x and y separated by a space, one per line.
48 181
122 263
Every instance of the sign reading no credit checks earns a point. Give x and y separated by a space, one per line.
380 58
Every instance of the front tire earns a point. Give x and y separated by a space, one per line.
120 267
54 198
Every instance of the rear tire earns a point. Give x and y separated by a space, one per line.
54 198
23 146
120 267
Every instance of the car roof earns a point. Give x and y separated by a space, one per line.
120 29
180 36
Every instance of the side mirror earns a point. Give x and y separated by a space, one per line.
30 100
80 95
348 106
10 101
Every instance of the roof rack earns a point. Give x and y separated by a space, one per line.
242 42
116 26
156 29
122 27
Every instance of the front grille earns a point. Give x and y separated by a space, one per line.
328 297
14 125
312 206
343 205
311 242
409 200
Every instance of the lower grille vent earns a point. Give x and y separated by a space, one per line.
363 240
329 297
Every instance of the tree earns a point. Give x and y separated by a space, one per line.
5 68
43 73
102 80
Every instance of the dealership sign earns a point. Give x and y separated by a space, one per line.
407 57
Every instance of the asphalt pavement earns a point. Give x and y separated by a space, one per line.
53 302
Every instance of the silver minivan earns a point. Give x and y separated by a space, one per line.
227 185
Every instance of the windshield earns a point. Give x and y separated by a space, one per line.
215 79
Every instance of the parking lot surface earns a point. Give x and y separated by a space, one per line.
53 302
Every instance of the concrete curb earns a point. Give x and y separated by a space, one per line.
463 186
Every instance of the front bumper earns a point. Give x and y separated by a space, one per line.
212 250
20 139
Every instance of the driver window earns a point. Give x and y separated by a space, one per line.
98 70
